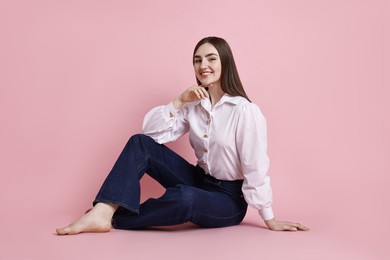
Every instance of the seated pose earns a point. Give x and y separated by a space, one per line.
228 134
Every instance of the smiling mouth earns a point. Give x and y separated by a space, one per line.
206 74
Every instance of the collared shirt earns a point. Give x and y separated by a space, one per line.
229 139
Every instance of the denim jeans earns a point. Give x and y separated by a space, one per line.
190 195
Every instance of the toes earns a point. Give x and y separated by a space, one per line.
61 231
68 230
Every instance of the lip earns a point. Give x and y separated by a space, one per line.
205 73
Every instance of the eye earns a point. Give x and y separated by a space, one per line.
197 61
212 59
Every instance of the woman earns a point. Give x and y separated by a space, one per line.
228 134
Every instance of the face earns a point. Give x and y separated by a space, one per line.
207 65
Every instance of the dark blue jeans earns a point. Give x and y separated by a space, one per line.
190 195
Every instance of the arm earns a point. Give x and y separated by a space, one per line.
167 123
252 149
191 94
252 144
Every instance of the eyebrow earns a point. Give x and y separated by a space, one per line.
207 55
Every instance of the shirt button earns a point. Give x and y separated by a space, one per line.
170 114
205 150
205 136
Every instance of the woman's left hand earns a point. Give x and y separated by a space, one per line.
277 225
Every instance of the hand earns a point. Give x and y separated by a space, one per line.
191 94
277 225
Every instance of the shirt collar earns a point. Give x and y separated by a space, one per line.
226 98
235 100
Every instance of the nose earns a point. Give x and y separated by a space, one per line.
204 64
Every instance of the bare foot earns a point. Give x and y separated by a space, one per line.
98 219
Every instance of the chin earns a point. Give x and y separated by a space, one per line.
206 83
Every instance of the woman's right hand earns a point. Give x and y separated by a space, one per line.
191 94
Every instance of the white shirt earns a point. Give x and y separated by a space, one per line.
229 139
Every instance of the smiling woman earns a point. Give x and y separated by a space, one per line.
217 190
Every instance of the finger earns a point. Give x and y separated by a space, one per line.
204 92
200 92
290 228
302 227
299 226
197 94
294 224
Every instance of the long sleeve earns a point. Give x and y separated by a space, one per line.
165 123
252 148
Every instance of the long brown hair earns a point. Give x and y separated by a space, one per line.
230 80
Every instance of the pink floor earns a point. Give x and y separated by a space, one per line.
325 240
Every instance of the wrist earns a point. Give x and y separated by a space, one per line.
177 102
270 222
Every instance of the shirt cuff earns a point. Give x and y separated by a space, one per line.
266 213
170 111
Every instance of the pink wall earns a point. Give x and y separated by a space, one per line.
76 78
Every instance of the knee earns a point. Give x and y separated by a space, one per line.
138 139
186 195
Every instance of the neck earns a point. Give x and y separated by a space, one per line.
215 93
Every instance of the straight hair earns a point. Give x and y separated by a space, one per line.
230 80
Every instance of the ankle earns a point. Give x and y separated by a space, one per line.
108 209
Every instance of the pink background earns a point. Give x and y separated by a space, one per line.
77 77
